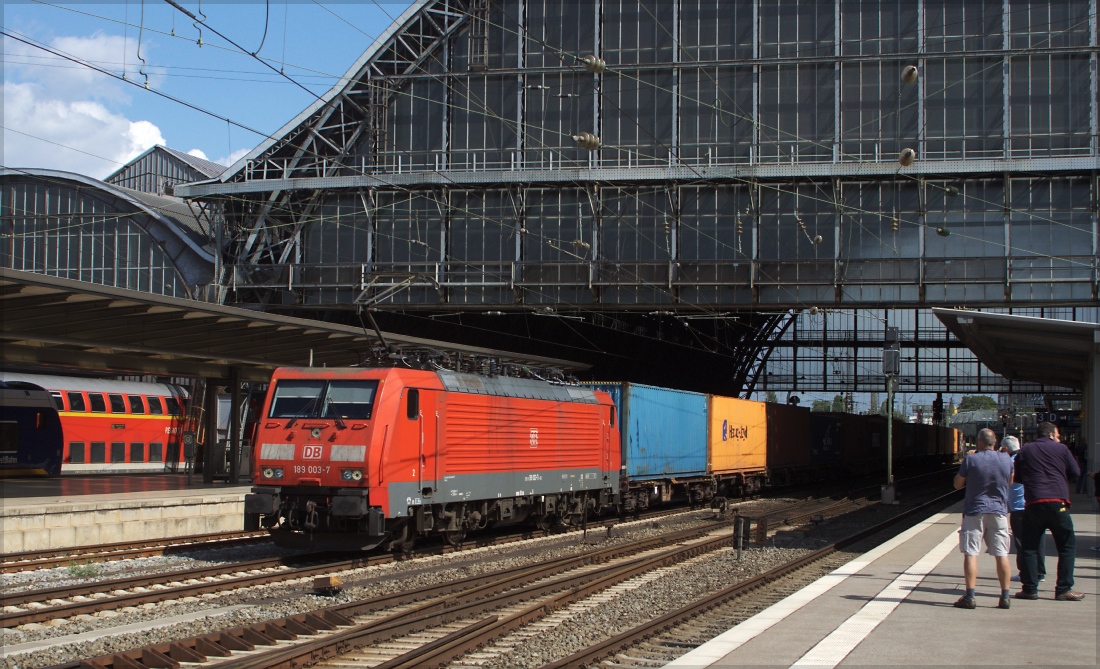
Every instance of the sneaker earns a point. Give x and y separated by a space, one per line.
1004 603
965 602
1069 596
1042 578
1026 595
1016 578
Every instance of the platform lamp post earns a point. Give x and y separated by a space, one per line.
891 367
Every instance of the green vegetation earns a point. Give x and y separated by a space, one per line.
977 403
85 569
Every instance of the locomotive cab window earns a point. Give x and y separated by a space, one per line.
296 399
76 402
58 402
413 409
350 399
155 407
136 405
98 405
117 404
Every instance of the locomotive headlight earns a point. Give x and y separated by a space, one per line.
351 474
273 472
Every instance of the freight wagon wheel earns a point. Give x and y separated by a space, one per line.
454 537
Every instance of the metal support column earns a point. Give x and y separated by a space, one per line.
234 424
210 431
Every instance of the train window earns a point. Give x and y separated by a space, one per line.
118 451
296 398
76 402
76 452
350 399
156 452
117 404
412 410
612 416
58 402
9 436
155 407
136 405
173 406
98 405
137 452
99 452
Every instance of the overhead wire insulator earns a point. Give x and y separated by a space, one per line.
817 239
906 157
587 140
594 64
910 74
943 232
952 191
894 224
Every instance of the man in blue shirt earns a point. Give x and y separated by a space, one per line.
986 474
1011 445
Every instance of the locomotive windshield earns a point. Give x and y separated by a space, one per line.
349 399
313 398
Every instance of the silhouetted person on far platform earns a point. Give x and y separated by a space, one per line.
986 475
1045 467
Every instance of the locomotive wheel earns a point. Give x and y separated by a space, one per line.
454 537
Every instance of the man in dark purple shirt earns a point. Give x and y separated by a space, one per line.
1045 467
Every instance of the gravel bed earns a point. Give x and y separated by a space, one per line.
693 581
280 600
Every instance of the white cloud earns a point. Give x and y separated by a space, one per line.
85 125
198 153
73 106
232 157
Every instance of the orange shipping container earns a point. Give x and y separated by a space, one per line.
737 436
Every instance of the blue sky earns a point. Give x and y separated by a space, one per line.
53 106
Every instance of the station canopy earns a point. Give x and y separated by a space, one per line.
1024 348
79 326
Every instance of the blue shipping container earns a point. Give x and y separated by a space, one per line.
664 432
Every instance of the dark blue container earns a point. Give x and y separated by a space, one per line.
664 432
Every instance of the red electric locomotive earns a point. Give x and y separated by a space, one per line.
355 458
115 426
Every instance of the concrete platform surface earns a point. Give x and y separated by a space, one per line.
893 606
39 514
65 487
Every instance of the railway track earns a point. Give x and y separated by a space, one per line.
62 557
665 638
279 632
41 605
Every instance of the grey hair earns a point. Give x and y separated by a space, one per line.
1010 444
987 438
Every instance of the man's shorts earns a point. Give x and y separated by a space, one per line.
992 527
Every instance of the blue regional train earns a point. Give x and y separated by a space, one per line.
31 440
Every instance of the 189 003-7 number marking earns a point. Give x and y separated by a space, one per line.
311 469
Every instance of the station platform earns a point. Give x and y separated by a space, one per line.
894 606
40 514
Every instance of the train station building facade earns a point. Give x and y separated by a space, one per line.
742 195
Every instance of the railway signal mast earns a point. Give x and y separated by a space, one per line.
891 367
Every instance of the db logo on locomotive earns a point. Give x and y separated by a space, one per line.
312 452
